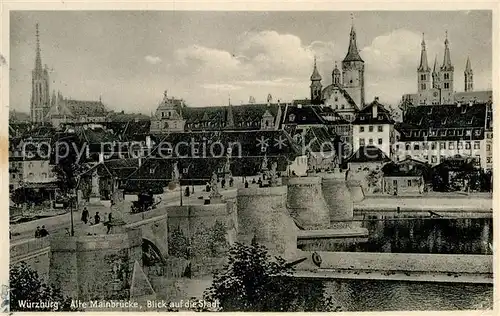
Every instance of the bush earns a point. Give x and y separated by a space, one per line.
252 281
26 286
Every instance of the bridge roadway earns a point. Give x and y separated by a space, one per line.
59 225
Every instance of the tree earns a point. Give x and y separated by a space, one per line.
178 243
252 281
26 286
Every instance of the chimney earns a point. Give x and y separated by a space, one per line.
148 142
139 161
101 157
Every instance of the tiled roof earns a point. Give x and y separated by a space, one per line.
303 115
216 117
279 142
87 108
365 115
368 154
443 122
407 167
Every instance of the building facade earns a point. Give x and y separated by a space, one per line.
433 133
374 126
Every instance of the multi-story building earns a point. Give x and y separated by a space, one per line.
374 126
432 133
438 86
29 167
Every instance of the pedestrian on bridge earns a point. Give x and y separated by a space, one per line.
43 232
85 215
97 218
37 232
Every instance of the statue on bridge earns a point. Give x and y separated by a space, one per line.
117 207
273 176
214 186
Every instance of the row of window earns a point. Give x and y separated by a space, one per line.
443 132
380 128
30 175
434 158
442 145
30 165
370 141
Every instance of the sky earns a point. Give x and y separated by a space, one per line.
129 58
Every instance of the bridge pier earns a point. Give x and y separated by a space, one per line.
263 216
339 200
306 202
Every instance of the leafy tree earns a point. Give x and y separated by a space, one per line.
178 244
210 241
25 284
252 281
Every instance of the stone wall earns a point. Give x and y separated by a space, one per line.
262 214
95 267
306 202
34 252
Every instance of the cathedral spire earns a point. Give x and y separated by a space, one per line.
468 76
315 74
352 52
468 67
230 116
38 59
446 59
424 65
434 69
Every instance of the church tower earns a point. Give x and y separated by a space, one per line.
353 72
424 72
315 85
336 76
40 96
469 77
446 75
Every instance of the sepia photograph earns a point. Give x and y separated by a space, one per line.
285 160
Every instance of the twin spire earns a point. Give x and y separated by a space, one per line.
447 59
424 65
446 66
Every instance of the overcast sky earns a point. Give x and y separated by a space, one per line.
130 58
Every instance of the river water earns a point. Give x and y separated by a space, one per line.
424 235
416 235
380 295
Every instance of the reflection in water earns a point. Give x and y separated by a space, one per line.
424 235
378 295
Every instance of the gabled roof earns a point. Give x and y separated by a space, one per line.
365 115
344 93
407 167
305 115
368 154
446 116
83 108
